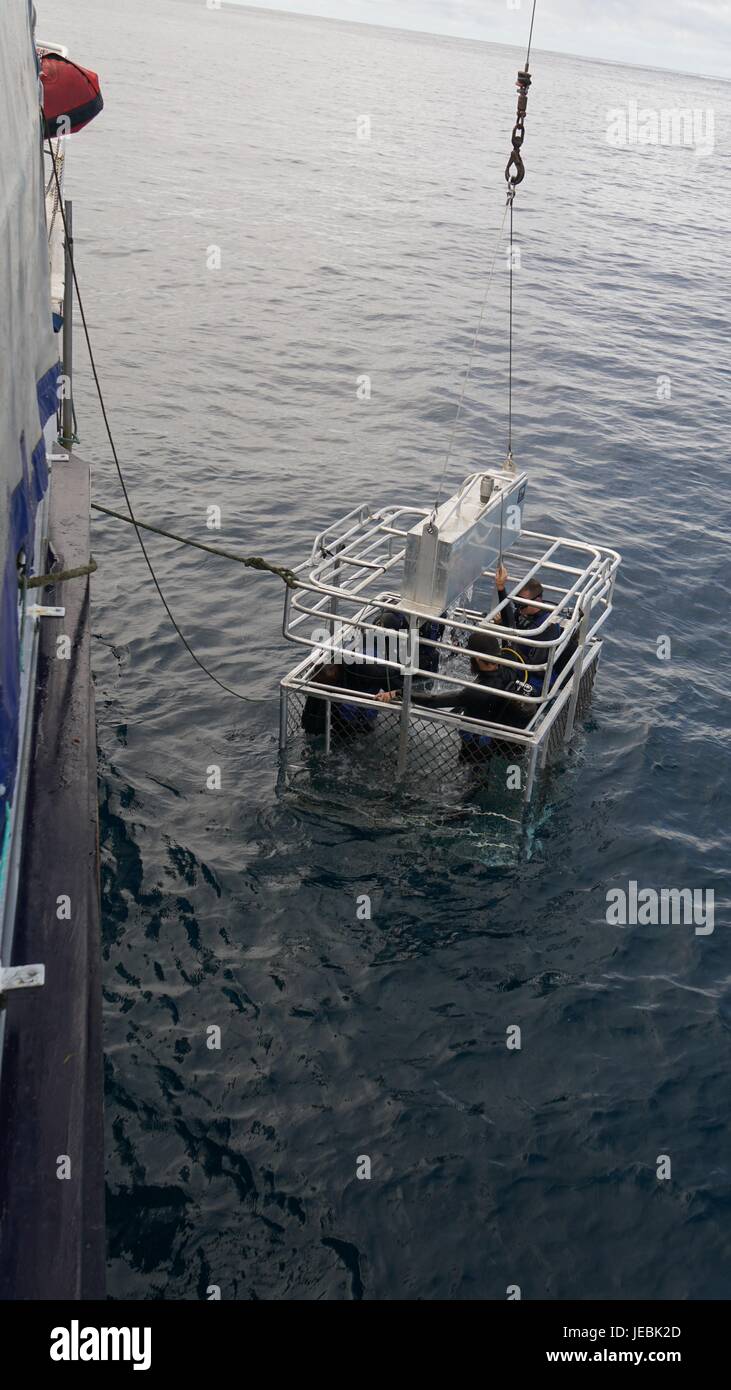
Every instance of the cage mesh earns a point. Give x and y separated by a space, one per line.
441 763
558 729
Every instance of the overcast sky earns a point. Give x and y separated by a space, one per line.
685 35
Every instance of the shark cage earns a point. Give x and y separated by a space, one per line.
389 601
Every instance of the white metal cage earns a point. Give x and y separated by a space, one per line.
343 612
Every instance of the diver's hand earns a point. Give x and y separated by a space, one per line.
501 577
385 696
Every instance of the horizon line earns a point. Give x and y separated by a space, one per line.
462 38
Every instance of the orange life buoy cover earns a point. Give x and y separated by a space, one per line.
71 95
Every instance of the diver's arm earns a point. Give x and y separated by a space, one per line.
507 614
441 699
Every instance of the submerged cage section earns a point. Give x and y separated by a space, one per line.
369 613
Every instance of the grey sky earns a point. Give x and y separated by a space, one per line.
685 35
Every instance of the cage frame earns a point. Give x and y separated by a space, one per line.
348 569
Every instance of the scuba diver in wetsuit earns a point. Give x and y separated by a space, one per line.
488 702
347 719
367 677
430 630
526 614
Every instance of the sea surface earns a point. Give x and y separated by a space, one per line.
232 136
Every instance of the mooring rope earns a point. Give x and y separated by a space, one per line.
254 562
132 518
44 581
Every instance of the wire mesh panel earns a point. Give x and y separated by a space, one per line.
433 756
557 732
442 761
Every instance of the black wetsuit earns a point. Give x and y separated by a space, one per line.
367 677
431 629
488 703
362 678
533 656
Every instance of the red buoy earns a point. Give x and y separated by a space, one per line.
71 95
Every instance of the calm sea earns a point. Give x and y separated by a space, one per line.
232 135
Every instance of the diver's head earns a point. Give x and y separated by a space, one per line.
329 673
484 645
392 619
532 589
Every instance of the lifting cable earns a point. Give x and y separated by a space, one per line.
253 561
515 163
514 174
468 372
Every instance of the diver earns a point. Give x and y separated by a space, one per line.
360 676
525 614
347 719
430 630
489 702
365 676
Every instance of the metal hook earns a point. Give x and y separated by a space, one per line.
515 162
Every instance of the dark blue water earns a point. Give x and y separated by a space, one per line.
386 1037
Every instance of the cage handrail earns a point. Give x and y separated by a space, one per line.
354 622
528 734
317 580
334 649
522 636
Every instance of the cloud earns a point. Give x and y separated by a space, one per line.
685 35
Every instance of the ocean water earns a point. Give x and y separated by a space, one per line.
237 387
